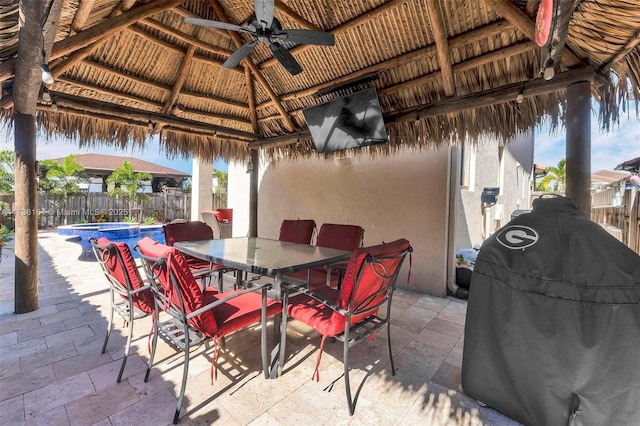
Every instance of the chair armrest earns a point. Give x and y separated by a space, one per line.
212 305
139 289
328 303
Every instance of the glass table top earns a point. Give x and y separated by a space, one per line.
263 256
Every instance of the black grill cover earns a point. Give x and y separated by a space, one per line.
553 322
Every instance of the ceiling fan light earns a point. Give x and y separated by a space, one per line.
47 78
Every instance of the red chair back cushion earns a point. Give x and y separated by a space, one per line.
127 270
187 231
224 214
188 287
343 237
297 231
369 281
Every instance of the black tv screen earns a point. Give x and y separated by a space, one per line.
352 121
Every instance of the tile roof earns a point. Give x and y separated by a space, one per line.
108 163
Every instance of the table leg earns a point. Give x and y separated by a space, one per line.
277 319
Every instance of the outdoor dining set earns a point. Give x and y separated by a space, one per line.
335 285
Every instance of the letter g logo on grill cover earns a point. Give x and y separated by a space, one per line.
517 237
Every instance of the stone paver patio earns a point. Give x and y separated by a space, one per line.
52 371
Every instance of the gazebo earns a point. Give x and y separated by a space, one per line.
118 71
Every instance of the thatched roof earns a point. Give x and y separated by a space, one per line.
443 69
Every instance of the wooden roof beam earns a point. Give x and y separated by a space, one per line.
154 106
499 95
109 27
442 47
180 79
187 38
82 13
128 121
145 116
84 43
252 100
254 69
158 86
342 28
461 40
635 40
122 7
460 67
527 26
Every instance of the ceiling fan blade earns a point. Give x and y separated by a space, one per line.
237 56
218 24
264 12
285 58
318 38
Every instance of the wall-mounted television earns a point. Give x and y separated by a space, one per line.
352 121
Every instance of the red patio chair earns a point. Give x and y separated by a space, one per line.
343 237
351 313
191 317
297 231
194 231
134 298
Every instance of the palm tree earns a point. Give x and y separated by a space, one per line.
61 180
556 177
126 181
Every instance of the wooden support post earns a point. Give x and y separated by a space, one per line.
253 194
26 245
578 147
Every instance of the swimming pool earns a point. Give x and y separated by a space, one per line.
129 233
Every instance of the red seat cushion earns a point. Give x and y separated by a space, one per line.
330 323
142 300
297 231
240 311
189 288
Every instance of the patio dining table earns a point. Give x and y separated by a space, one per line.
264 257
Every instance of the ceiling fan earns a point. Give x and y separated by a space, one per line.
266 28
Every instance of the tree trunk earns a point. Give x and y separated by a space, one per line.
26 246
36 37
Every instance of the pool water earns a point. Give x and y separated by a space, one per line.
113 231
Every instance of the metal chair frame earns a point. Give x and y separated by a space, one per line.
356 333
175 328
125 308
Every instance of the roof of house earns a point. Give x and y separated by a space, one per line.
604 177
443 70
105 164
632 165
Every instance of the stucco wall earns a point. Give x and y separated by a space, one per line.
403 196
514 188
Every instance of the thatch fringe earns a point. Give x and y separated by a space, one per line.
175 142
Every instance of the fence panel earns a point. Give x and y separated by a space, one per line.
101 207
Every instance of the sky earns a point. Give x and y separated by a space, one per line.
608 150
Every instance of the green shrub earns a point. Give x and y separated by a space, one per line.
129 219
149 220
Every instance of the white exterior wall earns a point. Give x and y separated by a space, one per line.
402 196
514 182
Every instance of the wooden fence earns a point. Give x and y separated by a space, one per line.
101 207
